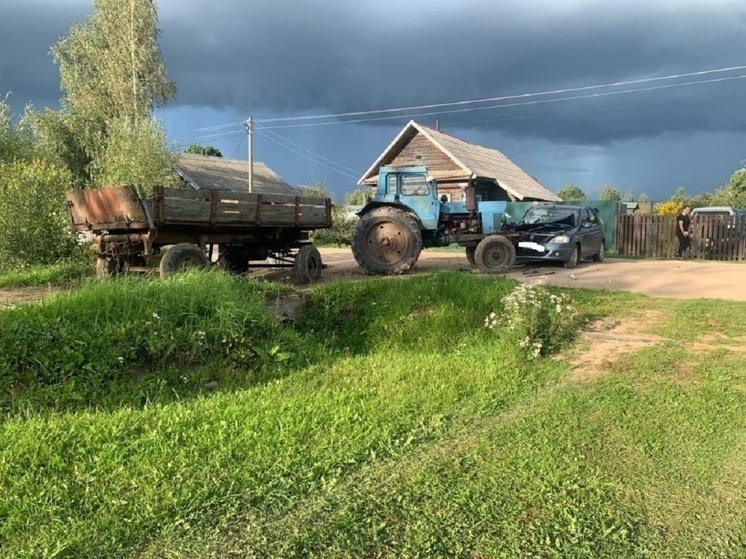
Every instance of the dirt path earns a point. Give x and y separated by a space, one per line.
658 278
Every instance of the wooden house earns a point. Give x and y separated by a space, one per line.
460 168
203 171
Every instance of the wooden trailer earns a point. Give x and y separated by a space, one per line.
187 227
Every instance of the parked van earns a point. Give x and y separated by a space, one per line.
719 210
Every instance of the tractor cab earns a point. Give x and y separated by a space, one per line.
411 187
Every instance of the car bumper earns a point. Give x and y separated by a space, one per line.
559 252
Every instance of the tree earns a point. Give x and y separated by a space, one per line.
359 196
608 192
571 192
203 150
111 66
733 193
135 154
628 196
15 142
643 199
673 205
111 69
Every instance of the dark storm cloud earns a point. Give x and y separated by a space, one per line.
338 56
293 57
28 29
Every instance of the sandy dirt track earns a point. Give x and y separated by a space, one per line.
658 278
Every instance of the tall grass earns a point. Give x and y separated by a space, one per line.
388 422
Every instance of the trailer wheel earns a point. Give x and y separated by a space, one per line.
470 256
182 257
308 264
386 241
495 254
108 267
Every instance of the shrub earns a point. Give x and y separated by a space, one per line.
537 320
34 227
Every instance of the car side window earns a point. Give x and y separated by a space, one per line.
584 216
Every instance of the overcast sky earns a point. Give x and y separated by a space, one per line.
275 59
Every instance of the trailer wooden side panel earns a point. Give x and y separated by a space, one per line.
220 207
114 208
124 209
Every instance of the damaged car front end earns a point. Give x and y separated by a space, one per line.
559 234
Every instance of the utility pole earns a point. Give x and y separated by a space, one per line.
250 130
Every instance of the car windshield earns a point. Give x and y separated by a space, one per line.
552 213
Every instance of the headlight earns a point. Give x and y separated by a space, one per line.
560 239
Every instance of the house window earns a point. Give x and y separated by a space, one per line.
414 185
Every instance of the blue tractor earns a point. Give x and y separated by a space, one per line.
406 215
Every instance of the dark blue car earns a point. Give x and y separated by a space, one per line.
560 233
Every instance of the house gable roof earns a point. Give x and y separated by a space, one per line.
471 160
203 171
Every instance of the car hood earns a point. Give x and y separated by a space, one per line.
561 225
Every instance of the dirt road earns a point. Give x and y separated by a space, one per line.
659 278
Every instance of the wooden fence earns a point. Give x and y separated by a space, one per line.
713 237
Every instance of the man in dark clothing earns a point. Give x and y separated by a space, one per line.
682 231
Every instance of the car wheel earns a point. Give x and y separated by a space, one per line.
572 262
599 256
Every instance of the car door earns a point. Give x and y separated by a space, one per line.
589 233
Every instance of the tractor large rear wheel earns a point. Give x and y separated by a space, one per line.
495 254
386 241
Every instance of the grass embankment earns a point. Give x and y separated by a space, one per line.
65 273
388 422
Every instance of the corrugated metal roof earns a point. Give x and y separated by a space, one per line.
479 161
203 171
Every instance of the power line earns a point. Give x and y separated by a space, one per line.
602 109
508 105
282 138
307 157
517 96
475 101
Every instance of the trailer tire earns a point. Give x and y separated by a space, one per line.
181 257
470 256
108 267
386 241
495 254
308 264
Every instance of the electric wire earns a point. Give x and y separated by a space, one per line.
485 100
282 138
350 175
507 105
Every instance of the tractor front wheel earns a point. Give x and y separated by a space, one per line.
495 254
386 241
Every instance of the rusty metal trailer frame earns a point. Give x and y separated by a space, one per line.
129 228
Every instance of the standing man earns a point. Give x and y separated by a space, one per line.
683 222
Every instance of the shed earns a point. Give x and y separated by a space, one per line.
204 171
456 165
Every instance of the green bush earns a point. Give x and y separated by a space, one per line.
34 227
538 321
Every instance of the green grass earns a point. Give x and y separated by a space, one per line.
64 273
387 422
